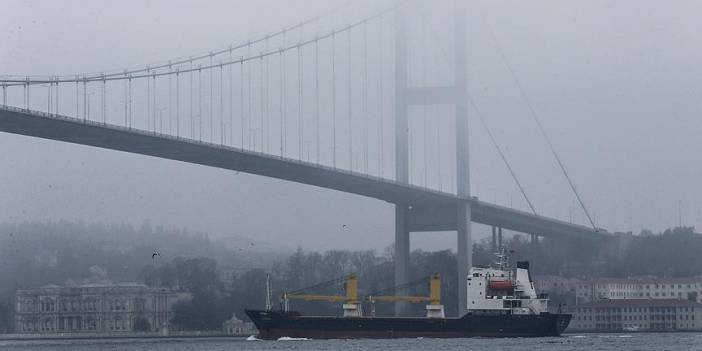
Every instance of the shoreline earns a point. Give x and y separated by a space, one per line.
112 336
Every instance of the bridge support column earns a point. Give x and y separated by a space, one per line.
464 257
499 238
402 235
402 253
464 240
493 245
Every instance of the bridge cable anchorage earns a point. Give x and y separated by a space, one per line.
502 155
536 119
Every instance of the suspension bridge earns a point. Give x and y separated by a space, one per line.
326 106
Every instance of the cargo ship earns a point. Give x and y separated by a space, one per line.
502 302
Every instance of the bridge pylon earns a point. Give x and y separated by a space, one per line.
422 217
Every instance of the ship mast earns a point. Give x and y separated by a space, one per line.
268 292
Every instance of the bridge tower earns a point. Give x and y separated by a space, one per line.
416 217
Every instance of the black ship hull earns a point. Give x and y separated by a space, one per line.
276 324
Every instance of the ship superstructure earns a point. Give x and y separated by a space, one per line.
503 289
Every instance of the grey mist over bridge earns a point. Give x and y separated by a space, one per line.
359 107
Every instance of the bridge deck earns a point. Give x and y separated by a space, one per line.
434 210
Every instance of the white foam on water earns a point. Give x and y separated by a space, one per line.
287 338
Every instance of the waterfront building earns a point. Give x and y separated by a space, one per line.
125 307
555 284
236 327
640 288
637 315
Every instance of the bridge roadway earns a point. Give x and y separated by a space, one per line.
431 210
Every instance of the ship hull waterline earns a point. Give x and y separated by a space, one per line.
273 325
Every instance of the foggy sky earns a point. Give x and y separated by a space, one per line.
615 83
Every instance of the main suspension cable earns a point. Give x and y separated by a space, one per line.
535 117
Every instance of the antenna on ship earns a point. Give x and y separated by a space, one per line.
268 292
502 258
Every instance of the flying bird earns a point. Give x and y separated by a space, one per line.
153 255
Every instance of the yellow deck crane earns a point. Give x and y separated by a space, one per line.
351 305
434 307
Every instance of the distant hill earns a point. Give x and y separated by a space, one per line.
39 253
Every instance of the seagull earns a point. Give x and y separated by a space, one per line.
153 255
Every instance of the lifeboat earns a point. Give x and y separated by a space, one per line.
500 285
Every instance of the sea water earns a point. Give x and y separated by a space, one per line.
589 342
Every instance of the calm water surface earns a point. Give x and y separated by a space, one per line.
589 342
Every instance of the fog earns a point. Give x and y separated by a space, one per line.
615 84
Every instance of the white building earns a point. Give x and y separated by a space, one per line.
555 284
236 327
637 315
640 288
123 307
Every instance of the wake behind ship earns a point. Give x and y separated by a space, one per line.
501 303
